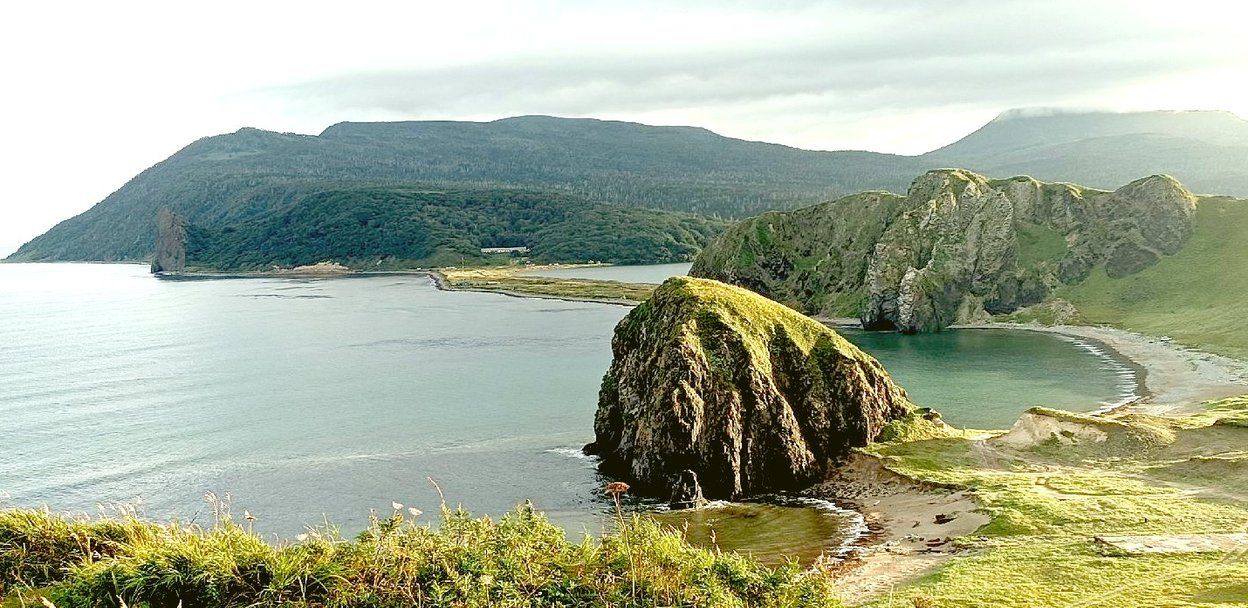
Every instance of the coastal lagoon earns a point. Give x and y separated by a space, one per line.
314 399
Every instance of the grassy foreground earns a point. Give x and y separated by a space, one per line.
1051 499
508 280
518 561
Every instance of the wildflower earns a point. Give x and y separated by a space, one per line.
248 516
301 537
615 489
415 512
398 506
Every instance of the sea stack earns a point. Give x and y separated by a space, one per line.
170 254
715 387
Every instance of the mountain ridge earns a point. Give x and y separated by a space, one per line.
236 177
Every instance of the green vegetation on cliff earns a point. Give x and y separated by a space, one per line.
820 253
957 248
521 560
383 228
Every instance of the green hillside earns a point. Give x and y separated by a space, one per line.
960 248
239 177
1198 296
956 249
421 226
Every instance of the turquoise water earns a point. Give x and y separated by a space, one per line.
312 399
656 273
983 378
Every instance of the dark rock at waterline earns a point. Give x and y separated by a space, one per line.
747 395
686 492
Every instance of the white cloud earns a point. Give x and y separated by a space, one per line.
96 92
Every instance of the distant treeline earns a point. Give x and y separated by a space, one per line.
421 226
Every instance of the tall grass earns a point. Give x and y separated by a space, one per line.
519 560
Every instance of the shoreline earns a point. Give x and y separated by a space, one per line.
1170 378
524 285
1174 379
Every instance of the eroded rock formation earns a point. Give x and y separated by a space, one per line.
170 254
956 248
715 386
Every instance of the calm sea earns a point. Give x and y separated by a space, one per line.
312 399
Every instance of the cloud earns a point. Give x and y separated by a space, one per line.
832 61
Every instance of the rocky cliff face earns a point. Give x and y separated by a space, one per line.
715 386
170 254
956 248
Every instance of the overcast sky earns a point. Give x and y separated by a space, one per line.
93 94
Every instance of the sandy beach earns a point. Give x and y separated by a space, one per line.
911 526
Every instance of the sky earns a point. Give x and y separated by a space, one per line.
95 92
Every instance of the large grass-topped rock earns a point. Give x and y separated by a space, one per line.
747 394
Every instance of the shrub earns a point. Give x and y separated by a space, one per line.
520 560
37 546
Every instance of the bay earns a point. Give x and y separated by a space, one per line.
307 400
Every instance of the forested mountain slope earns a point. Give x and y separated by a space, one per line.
235 178
1207 151
401 227
229 179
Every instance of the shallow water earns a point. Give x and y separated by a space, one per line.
772 533
311 399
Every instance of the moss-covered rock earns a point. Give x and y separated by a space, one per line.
956 248
748 394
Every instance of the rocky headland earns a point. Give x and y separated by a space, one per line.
957 248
